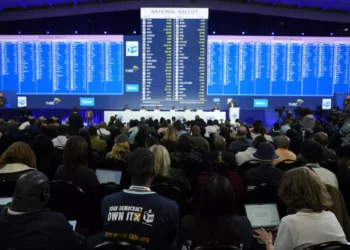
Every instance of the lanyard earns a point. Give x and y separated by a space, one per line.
139 188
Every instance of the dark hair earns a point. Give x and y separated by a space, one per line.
307 111
225 132
75 109
62 130
312 151
256 125
276 126
209 122
42 146
344 152
295 140
92 130
150 141
217 201
259 139
85 135
142 136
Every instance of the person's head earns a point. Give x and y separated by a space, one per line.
173 118
242 132
103 125
121 146
150 141
92 131
75 109
62 130
141 167
112 119
307 111
282 141
164 124
1 94
232 100
344 156
186 143
311 151
216 106
261 130
150 122
173 108
12 124
142 136
256 125
195 130
156 108
276 126
143 107
219 142
42 146
257 140
170 134
210 122
32 192
301 188
265 153
75 152
161 160
18 152
126 106
178 125
321 138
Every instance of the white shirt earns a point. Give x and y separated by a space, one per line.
103 131
24 125
326 176
302 229
242 157
210 129
59 141
135 128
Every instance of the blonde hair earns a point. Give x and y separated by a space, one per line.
302 188
18 152
118 149
170 134
161 160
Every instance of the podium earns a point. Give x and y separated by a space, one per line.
233 113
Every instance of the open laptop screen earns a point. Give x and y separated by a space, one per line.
104 176
262 215
5 200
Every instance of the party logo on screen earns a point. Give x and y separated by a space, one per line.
54 102
133 70
298 103
22 101
132 48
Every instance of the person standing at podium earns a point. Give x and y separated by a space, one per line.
232 104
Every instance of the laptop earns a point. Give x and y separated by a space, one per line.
105 176
5 200
263 216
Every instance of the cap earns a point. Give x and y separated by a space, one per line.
265 152
121 139
31 192
141 161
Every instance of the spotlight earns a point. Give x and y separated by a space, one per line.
346 29
105 32
273 33
243 33
19 32
76 32
214 32
303 34
134 32
48 32
331 34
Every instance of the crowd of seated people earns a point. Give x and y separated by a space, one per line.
183 184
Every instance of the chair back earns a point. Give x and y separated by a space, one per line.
287 165
330 165
170 192
331 245
121 166
7 188
220 247
68 199
192 170
247 166
120 245
109 188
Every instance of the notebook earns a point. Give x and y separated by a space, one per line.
104 176
263 215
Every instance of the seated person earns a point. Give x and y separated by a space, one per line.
248 154
173 108
310 224
241 140
210 128
219 147
96 142
312 154
328 154
102 131
198 139
170 139
282 145
61 138
144 217
216 219
26 224
266 172
143 108
185 150
16 160
126 107
166 174
343 174
216 107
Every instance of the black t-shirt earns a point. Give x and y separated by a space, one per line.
37 230
143 218
227 226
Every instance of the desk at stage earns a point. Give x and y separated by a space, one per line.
126 116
